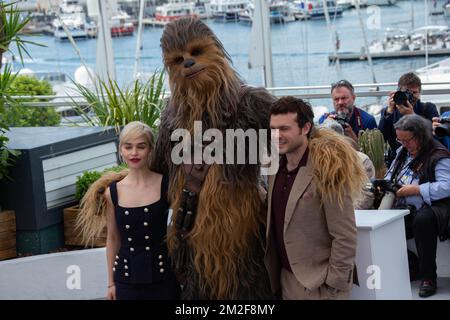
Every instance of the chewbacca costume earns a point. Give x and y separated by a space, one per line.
217 237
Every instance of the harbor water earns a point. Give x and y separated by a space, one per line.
300 49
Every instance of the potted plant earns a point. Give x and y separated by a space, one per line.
371 142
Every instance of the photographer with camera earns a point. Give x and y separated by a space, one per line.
422 169
404 101
441 128
351 118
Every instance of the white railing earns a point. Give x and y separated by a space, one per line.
304 92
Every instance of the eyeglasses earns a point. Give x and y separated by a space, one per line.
404 141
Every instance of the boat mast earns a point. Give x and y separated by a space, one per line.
104 63
333 37
366 44
426 30
139 39
306 46
260 54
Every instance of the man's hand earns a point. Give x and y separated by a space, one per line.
330 116
435 123
405 110
408 190
391 103
348 131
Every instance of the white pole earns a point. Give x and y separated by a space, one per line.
333 37
105 66
267 44
426 35
139 39
366 45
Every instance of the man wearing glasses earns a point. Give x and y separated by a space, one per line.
410 83
352 118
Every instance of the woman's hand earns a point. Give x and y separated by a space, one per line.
408 190
111 293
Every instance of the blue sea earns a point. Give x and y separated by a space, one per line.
300 49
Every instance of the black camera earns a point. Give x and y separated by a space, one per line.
384 193
443 130
385 185
400 97
341 118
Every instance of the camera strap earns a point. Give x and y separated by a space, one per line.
358 118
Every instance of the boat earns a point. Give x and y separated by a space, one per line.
202 10
316 9
299 10
438 72
280 12
72 17
446 8
398 43
227 10
366 3
75 28
436 10
246 16
345 4
395 39
174 10
120 24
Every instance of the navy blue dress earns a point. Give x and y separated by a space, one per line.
142 266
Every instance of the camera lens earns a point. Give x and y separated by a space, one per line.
443 130
400 98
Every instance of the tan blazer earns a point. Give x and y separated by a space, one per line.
320 238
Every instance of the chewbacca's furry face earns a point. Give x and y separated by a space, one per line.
193 56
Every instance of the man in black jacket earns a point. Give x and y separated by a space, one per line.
412 85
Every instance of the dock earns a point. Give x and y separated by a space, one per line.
354 56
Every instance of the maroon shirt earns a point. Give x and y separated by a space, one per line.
280 195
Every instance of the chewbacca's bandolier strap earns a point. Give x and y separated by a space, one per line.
195 175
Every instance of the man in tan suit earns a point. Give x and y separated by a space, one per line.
311 232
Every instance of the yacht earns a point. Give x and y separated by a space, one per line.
227 10
120 24
446 8
175 9
316 9
71 16
365 3
345 4
438 72
280 12
395 39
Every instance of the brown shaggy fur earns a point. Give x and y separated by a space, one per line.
336 166
92 218
225 245
224 227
